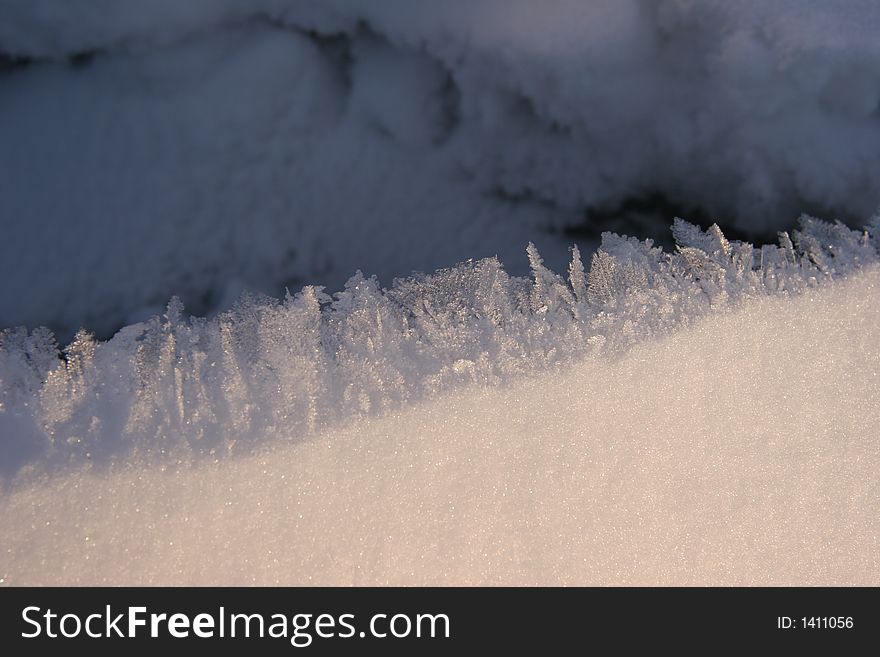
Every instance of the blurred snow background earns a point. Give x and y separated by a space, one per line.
214 146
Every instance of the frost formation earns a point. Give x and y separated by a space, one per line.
176 387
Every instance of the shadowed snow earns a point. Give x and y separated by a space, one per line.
204 147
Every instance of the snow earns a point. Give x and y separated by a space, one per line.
702 415
739 450
209 147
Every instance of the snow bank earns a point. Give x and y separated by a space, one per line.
741 450
205 147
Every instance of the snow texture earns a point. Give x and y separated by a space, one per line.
739 450
211 146
175 388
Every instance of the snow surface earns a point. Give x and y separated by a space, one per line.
204 147
740 450
706 417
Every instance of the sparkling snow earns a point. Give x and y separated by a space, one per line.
742 450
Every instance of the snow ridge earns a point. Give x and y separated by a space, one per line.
180 388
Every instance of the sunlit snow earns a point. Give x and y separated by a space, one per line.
741 450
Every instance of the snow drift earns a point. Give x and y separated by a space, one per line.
738 450
225 145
